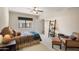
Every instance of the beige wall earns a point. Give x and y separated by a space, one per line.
14 22
4 17
67 18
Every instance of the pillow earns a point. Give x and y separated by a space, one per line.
76 35
18 34
7 38
25 33
60 35
73 37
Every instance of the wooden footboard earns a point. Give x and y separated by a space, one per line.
25 41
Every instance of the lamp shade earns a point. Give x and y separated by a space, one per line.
1 39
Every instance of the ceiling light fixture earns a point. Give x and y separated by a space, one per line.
36 10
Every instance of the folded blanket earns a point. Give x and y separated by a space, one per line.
36 35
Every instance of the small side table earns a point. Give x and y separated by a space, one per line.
8 47
56 41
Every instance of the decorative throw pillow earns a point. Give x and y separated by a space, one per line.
76 35
72 37
7 38
60 34
18 34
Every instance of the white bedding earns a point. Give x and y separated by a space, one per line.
26 33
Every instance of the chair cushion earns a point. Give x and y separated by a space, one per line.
56 41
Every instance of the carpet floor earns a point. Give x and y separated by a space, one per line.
37 47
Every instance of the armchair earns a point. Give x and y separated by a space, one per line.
70 43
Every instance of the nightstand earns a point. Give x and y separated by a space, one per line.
8 47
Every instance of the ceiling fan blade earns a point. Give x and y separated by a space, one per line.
40 10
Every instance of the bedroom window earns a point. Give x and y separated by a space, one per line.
24 22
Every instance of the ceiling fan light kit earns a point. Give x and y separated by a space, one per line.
36 10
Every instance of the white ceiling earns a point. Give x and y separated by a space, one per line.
28 10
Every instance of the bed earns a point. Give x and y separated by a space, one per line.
35 35
27 39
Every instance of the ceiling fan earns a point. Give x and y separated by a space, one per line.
36 10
